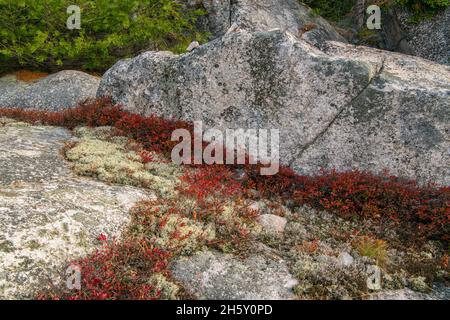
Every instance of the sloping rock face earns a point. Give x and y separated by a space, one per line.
265 15
58 91
217 276
49 216
342 107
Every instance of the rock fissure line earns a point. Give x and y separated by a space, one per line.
345 107
230 9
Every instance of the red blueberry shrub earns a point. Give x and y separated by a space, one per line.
349 194
215 195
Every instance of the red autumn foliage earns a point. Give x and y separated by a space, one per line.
106 277
117 271
102 237
424 209
348 194
212 188
152 132
208 181
363 194
100 112
146 157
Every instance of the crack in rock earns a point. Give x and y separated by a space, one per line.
327 127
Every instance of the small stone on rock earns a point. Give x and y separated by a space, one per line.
345 259
234 28
194 45
272 223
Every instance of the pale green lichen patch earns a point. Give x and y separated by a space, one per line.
168 289
12 123
6 246
169 230
114 159
33 244
231 220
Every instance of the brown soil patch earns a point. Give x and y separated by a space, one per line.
29 76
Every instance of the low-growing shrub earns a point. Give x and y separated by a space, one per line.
423 209
136 267
363 194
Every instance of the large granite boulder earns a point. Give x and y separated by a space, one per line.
341 107
55 92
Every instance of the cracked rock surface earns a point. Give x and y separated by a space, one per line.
48 215
340 107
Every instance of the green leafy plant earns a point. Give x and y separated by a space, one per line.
33 33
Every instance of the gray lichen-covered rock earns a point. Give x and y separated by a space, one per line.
265 15
345 259
49 216
58 91
9 83
216 276
218 17
342 107
243 80
430 38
